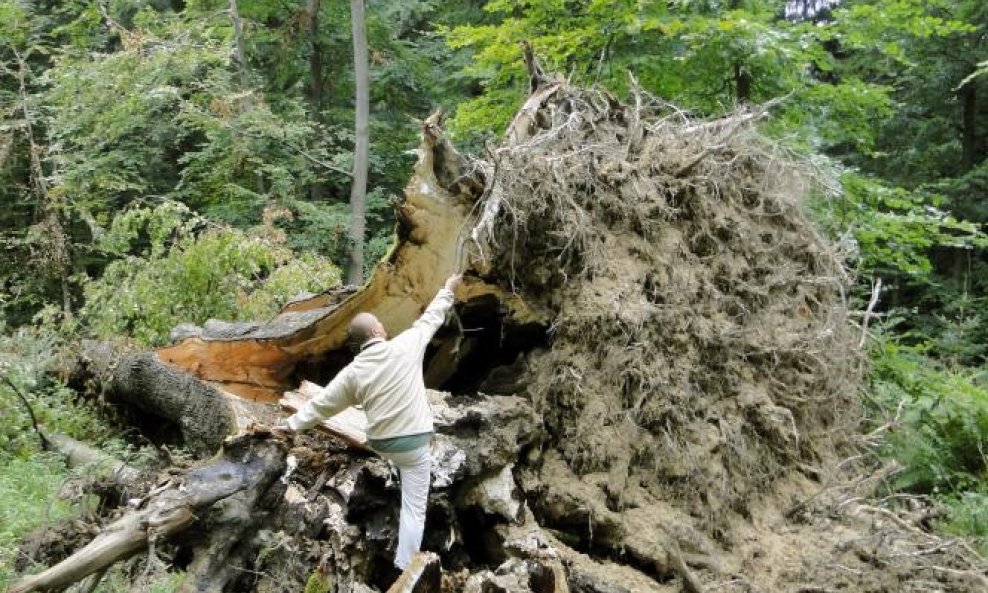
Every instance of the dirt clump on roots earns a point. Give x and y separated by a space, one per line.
700 347
702 374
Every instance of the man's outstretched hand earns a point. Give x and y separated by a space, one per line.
453 282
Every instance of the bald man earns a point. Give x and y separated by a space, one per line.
386 379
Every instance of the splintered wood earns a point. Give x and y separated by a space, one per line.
258 361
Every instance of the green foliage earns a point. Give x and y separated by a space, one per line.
145 102
707 57
896 228
178 275
318 583
323 228
27 356
24 484
967 514
942 437
31 480
183 128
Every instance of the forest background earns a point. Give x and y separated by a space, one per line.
165 161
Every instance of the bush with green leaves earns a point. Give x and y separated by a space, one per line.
896 229
897 234
175 267
28 356
941 432
967 514
324 227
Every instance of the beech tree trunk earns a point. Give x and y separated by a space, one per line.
316 80
238 43
969 126
358 191
204 414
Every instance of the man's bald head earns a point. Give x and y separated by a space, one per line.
363 327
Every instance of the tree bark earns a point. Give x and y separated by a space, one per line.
79 454
238 43
203 414
969 129
423 575
742 83
240 56
358 191
315 79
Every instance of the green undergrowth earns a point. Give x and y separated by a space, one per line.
172 266
29 494
940 432
36 487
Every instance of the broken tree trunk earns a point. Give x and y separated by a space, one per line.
439 233
244 476
259 361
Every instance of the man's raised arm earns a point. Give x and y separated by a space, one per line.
425 326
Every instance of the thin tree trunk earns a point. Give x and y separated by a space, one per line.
240 56
969 131
742 83
238 43
60 256
316 79
742 79
358 191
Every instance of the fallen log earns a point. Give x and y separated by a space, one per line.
79 454
200 411
243 474
203 413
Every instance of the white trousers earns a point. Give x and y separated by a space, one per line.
414 470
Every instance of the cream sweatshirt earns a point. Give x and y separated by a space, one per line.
386 379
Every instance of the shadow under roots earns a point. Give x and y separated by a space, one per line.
481 350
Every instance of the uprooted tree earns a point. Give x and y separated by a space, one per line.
651 385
